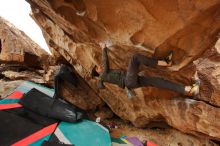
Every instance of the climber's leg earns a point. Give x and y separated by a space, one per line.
161 83
131 80
138 59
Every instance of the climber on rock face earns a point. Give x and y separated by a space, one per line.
131 80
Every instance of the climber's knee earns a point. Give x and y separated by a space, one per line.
131 83
135 57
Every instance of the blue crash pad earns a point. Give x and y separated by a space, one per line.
84 133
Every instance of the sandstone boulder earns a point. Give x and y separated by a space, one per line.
17 47
73 29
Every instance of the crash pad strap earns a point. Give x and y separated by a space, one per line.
36 136
9 106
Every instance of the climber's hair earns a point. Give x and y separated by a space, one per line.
94 73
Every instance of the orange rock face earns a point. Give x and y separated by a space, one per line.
73 30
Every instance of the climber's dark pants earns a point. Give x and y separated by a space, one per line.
133 80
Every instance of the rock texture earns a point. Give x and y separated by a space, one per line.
17 47
162 137
73 29
20 58
7 87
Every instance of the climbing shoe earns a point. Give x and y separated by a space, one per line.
195 88
168 59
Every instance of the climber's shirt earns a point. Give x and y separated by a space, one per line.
110 75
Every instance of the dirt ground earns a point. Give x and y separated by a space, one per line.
163 136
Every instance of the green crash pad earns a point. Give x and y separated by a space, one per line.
84 133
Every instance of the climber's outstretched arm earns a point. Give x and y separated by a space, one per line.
105 67
105 61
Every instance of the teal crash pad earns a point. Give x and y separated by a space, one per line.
84 133
26 86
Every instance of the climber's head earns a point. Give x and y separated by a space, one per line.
96 71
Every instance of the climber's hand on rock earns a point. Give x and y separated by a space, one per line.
102 45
